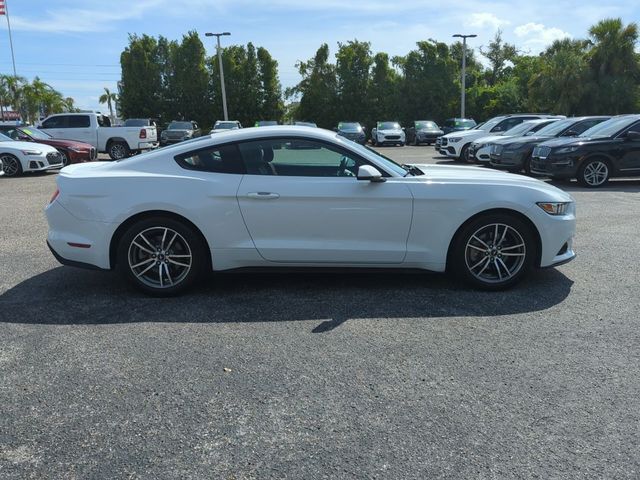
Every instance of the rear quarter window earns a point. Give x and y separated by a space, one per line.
214 159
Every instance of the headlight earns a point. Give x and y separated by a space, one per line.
554 208
567 149
31 152
455 139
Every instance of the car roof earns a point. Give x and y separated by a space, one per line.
251 133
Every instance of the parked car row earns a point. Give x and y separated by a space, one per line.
591 149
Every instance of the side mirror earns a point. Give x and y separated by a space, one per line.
570 133
372 174
633 135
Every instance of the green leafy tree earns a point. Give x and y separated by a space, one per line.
383 90
191 80
317 90
500 54
271 106
353 66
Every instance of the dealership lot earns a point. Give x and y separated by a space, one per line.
359 375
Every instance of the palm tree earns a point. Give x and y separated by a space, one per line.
109 98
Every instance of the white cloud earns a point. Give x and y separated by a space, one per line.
484 19
81 20
538 34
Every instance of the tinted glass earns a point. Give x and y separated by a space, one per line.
225 126
180 126
297 157
518 130
55 122
556 128
349 126
609 128
224 159
464 123
420 125
79 121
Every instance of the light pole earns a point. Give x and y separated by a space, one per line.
464 69
224 93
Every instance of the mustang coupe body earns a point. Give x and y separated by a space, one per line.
301 197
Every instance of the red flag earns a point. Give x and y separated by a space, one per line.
3 10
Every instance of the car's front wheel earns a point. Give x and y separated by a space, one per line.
493 252
594 173
161 256
11 166
65 157
464 153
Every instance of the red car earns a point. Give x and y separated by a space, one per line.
71 151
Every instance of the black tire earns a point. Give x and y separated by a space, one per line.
464 153
594 173
11 165
186 243
415 141
475 242
118 150
526 166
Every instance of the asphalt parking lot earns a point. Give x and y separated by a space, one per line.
369 375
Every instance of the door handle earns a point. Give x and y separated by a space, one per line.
263 195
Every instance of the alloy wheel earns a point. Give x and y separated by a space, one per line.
495 253
10 165
65 158
160 257
595 173
118 151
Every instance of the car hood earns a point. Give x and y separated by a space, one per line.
477 175
467 134
26 146
525 139
491 139
561 142
65 143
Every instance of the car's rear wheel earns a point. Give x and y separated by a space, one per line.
161 256
118 150
594 173
493 252
11 166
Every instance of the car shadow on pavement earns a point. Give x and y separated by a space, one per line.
69 296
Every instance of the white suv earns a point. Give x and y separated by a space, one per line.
456 144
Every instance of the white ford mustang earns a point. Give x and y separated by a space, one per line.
296 196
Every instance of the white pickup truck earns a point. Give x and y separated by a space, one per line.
96 129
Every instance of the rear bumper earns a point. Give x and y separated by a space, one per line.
72 263
147 145
78 242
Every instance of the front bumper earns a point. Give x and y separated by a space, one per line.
40 163
508 160
479 153
390 139
556 235
555 167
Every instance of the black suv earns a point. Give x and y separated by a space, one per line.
610 149
514 153
353 131
423 131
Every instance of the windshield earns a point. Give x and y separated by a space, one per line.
4 138
349 126
388 126
609 128
423 125
225 126
388 164
180 126
35 133
555 128
136 122
520 130
489 124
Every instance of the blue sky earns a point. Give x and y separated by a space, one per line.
75 45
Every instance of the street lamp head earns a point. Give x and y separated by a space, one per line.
458 35
210 34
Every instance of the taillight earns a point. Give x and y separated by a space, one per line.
55 195
143 133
